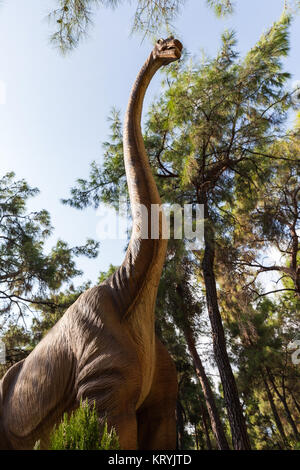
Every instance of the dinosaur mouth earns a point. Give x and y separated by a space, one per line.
173 50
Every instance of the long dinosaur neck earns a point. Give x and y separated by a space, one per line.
144 258
141 184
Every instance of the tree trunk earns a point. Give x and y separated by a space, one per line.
180 425
285 405
236 418
295 401
275 413
196 438
208 441
215 420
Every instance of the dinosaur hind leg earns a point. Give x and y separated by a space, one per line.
156 417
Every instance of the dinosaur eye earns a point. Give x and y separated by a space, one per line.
160 41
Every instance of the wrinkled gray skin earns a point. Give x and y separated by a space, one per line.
104 348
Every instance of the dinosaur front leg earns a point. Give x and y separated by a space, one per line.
125 424
111 383
157 428
119 414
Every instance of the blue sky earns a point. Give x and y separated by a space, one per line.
55 115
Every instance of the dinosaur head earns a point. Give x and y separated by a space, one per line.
167 50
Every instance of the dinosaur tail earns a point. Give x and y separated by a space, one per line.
5 383
4 442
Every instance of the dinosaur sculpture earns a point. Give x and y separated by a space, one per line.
104 348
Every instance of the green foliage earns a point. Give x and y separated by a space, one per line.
73 17
81 431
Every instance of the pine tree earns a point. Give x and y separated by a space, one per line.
27 272
73 17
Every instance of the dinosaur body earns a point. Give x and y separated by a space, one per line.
104 348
